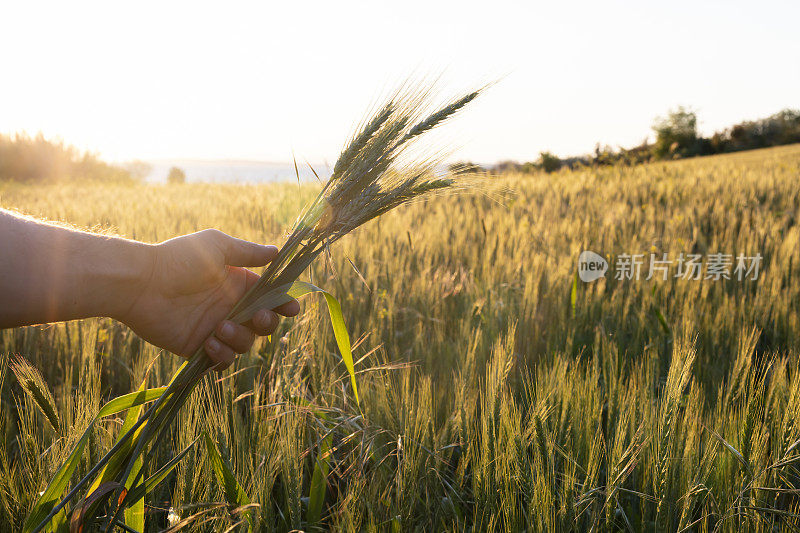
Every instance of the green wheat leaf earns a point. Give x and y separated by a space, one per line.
234 492
316 497
301 288
139 491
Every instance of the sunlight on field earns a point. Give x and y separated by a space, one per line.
496 390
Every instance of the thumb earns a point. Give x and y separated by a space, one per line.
243 253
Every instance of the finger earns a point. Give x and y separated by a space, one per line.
239 281
250 279
263 322
243 253
290 308
235 336
219 353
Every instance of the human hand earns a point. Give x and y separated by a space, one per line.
195 280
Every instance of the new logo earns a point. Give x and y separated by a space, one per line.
591 266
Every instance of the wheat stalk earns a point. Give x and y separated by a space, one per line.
34 385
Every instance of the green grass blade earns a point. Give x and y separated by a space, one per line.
319 480
110 469
126 401
139 492
233 491
301 288
134 513
573 294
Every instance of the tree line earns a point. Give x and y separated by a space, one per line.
676 137
36 159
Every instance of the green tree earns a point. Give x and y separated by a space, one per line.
176 175
676 134
549 162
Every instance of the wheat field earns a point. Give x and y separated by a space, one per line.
497 391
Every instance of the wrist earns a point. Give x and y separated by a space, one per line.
127 277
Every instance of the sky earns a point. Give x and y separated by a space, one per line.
259 80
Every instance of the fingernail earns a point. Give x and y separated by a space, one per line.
260 319
226 330
213 345
263 318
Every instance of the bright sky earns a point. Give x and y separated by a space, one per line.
254 80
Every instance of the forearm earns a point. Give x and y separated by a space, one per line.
51 273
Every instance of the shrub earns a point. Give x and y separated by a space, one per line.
176 175
549 162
